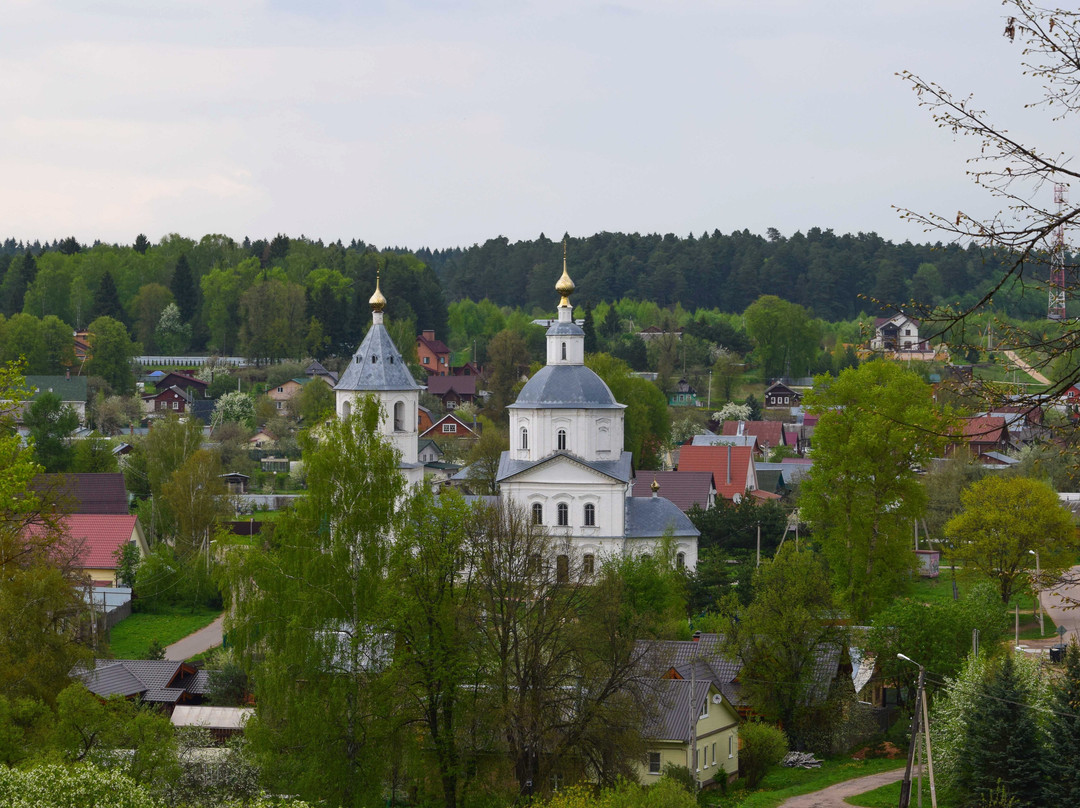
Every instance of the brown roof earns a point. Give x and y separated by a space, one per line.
984 429
436 346
83 493
770 432
441 385
684 488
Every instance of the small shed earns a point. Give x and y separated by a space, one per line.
236 482
222 722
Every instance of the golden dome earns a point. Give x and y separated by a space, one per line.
565 286
655 486
377 301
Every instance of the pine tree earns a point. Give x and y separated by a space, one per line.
1002 744
183 289
19 276
107 299
590 332
142 244
1062 775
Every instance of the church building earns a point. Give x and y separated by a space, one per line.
566 466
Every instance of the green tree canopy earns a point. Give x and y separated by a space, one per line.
1005 521
878 424
111 353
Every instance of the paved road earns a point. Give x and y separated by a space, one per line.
833 796
1055 606
202 640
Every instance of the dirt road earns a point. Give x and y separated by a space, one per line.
833 796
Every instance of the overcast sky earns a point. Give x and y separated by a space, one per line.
446 123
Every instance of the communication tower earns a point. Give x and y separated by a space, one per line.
1056 307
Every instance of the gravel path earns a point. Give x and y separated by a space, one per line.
833 796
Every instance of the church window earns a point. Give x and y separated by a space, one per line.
680 561
562 569
564 350
399 416
590 515
346 409
603 440
561 440
524 438
374 359
538 513
588 564
564 514
535 563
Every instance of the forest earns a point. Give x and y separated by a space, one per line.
294 297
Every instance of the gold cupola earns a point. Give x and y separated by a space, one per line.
377 301
565 286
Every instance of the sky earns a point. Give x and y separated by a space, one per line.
439 124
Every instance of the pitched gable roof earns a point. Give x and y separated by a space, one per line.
684 488
84 493
436 346
679 702
731 466
64 388
101 536
462 385
770 432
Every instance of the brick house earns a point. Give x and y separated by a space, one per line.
433 354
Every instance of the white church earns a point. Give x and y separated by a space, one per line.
566 466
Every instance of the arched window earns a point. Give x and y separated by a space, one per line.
564 514
590 515
346 409
560 437
399 416
680 561
524 438
588 564
538 513
562 569
564 351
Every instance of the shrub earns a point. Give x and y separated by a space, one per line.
763 746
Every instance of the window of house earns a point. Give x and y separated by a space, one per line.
281 389
399 416
279 404
705 709
449 427
730 744
680 560
590 515
907 332
654 763
564 350
714 753
562 569
538 513
442 360
427 360
588 564
564 514
176 405
561 440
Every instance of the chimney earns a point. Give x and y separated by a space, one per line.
742 426
696 637
729 464
429 335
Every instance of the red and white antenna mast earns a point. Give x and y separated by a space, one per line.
1056 308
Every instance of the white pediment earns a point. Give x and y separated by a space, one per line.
561 469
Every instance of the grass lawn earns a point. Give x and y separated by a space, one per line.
781 783
939 590
131 638
889 796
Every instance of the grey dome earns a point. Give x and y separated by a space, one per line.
565 387
558 329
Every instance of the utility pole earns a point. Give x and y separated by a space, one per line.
920 712
929 756
759 544
1038 589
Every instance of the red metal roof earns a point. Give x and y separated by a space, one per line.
770 432
724 462
101 535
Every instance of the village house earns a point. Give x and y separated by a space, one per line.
433 354
684 488
170 399
780 395
450 426
184 381
71 390
897 333
98 538
453 391
684 395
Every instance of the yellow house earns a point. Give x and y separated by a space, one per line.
695 726
98 537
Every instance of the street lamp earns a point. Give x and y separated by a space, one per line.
920 707
1038 593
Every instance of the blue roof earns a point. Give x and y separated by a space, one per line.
616 469
377 365
649 517
558 329
565 387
